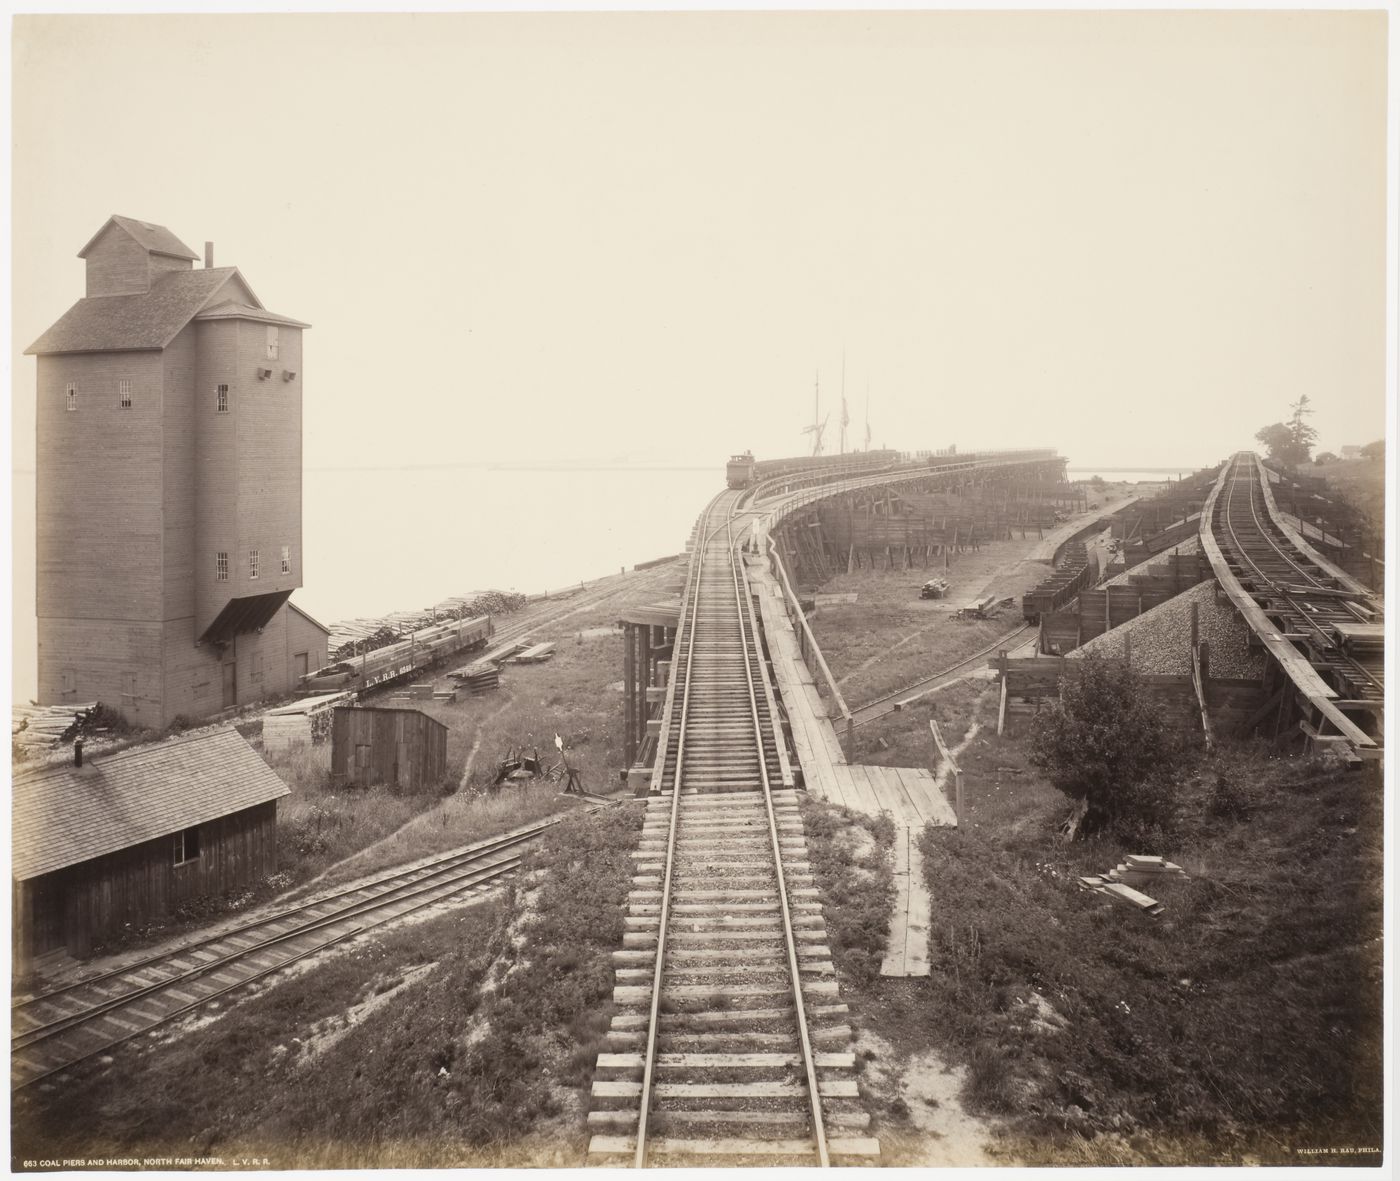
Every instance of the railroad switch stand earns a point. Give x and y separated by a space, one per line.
573 785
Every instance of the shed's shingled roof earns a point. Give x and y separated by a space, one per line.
65 815
142 320
232 309
153 238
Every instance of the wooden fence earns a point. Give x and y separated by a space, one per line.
1093 612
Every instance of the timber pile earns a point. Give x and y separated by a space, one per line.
479 678
1139 869
400 623
307 720
42 727
534 655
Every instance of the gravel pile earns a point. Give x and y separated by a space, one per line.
1162 637
1192 545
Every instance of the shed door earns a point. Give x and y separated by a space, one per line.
404 767
363 760
230 684
300 664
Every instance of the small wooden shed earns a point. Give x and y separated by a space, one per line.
128 837
403 748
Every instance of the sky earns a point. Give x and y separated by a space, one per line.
631 239
1135 237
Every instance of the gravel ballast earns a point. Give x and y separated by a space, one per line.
1162 638
1192 545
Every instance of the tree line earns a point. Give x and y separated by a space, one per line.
1291 442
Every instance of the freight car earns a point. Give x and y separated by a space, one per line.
423 648
743 471
739 471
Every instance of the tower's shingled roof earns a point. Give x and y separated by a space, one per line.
140 320
153 238
147 319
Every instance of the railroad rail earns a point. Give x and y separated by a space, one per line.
897 699
730 1041
1324 629
57 1029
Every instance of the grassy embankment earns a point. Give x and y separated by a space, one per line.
466 1039
1360 481
1240 1025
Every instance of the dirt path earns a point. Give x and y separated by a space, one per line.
936 1131
476 742
944 769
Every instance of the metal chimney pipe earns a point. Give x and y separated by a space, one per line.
78 753
208 256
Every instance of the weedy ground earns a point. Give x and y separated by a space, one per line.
1242 1025
465 1039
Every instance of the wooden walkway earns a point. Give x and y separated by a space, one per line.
907 951
1051 542
909 795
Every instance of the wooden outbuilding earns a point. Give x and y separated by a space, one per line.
112 842
401 748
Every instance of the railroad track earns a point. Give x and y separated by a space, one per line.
57 1029
1305 599
730 1041
892 702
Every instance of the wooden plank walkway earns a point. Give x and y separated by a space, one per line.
910 795
907 953
1045 551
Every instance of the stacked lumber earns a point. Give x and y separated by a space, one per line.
1139 869
534 655
446 696
421 690
307 720
42 727
494 656
479 678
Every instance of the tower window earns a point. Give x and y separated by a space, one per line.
186 845
124 393
221 399
72 395
273 344
286 559
252 563
221 566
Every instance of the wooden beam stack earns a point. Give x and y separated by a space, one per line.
1139 869
42 727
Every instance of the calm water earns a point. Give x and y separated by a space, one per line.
394 539
1141 475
